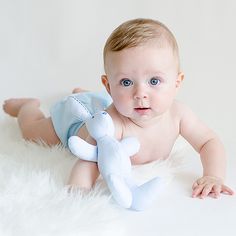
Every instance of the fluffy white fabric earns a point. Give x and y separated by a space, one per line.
35 201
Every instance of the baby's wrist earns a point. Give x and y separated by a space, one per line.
214 177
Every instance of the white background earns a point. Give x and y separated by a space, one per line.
47 47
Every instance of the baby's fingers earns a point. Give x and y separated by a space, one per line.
197 190
195 185
202 191
216 190
226 190
206 190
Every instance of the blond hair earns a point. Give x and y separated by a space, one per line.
137 32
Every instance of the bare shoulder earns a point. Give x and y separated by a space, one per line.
180 110
192 128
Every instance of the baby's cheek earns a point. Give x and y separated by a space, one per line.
122 107
120 100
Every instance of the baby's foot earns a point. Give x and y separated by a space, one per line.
78 90
12 106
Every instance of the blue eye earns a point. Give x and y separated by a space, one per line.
154 81
126 82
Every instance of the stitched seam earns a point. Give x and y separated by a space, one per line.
85 108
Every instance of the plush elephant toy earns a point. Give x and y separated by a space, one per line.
113 160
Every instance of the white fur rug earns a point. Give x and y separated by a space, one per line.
34 199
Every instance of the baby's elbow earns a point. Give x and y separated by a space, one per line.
211 142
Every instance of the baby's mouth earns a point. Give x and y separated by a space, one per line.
142 110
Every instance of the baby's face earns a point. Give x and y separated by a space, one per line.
142 80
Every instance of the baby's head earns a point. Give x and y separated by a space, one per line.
138 32
141 62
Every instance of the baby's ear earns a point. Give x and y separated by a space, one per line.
105 82
179 79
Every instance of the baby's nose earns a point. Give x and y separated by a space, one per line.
140 94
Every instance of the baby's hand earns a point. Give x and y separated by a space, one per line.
210 186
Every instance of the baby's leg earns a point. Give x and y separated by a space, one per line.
83 174
32 122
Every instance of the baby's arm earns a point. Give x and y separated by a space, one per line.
84 173
212 154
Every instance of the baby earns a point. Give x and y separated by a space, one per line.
142 76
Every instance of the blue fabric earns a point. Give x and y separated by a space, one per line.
67 118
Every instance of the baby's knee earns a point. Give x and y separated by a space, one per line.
30 133
26 133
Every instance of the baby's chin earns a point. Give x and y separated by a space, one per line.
137 114
140 117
